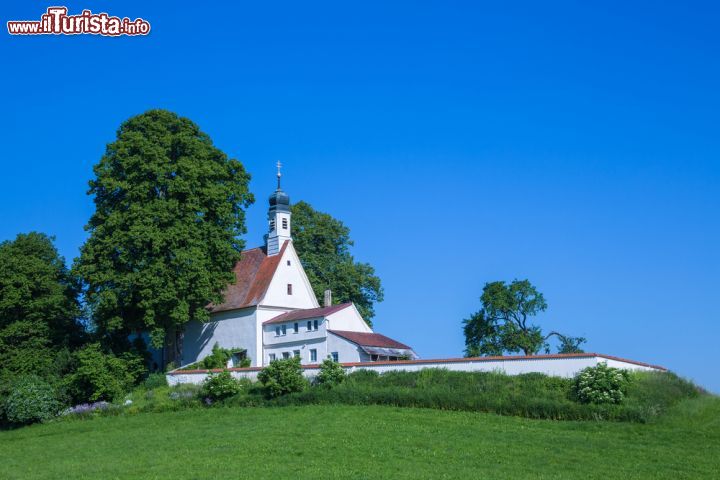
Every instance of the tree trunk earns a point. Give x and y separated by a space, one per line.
173 347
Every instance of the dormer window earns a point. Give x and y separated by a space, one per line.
284 223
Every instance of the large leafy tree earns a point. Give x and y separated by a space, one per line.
169 211
503 325
323 243
39 308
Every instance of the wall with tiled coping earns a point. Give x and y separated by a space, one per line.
561 365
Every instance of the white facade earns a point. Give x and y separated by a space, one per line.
310 337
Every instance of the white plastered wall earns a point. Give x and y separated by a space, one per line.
232 329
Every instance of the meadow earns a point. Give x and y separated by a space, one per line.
340 441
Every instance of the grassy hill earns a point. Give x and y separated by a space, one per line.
340 441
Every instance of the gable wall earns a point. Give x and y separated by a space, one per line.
302 296
348 319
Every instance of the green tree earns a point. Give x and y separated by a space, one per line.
169 210
503 324
323 244
39 308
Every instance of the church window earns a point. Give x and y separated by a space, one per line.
284 330
272 224
272 357
334 356
277 331
296 353
313 355
296 328
286 354
288 263
315 325
289 288
284 223
309 325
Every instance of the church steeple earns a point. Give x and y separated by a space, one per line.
278 218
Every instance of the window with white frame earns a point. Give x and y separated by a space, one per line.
296 327
335 356
296 353
277 331
284 329
315 325
313 355
286 354
309 325
272 357
289 288
284 223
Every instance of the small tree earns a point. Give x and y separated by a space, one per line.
331 373
98 375
282 377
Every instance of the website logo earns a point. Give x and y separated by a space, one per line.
56 21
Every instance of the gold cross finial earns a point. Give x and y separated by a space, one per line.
279 166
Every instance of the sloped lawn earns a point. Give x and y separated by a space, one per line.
373 442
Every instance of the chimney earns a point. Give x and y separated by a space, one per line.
327 298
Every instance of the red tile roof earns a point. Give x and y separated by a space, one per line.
370 339
253 274
305 313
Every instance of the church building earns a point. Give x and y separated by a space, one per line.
271 311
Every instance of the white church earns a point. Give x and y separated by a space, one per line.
271 311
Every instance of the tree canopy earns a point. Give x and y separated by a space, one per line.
323 244
39 309
169 212
503 324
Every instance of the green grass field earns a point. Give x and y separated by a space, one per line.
373 442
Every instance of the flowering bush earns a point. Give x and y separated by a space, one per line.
220 386
85 408
31 400
331 373
601 384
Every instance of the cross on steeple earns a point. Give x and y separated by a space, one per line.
279 166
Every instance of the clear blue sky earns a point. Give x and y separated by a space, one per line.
574 145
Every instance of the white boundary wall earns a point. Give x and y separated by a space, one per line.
554 365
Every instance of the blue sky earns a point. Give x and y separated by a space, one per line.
573 145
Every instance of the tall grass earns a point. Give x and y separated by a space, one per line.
531 395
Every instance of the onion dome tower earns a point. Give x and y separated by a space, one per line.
278 218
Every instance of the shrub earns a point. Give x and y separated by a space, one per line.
282 377
331 373
155 380
102 376
220 386
31 400
601 384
